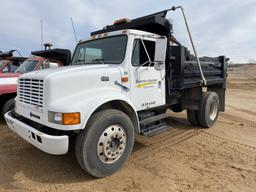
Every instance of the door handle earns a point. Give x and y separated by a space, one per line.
122 86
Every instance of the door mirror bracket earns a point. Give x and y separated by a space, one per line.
158 65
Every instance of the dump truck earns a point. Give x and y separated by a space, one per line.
38 60
9 63
8 78
122 81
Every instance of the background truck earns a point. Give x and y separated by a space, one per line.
9 63
121 82
39 60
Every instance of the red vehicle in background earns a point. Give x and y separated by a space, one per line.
9 63
51 58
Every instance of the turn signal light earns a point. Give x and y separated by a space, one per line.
71 118
124 79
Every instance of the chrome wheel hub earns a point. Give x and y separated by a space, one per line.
213 110
111 144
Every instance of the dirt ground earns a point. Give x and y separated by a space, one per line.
185 158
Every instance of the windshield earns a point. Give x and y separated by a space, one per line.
109 50
27 66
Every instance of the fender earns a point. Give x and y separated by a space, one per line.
88 102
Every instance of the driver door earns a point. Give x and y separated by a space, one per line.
147 80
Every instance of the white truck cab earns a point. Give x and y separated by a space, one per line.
117 86
104 69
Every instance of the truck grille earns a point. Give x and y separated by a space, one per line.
30 91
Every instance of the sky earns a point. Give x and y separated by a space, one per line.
218 27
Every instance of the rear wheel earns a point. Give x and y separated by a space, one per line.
106 143
209 109
8 106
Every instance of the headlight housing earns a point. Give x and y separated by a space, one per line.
64 118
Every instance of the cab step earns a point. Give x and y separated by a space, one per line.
154 130
152 123
153 119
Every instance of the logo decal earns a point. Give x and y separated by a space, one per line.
104 78
146 83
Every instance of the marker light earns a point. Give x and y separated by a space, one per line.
121 21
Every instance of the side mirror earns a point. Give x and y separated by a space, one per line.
160 53
160 50
53 65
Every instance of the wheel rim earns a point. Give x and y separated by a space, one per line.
213 110
111 144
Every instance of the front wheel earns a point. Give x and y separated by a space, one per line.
8 106
106 143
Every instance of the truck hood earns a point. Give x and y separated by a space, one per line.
42 74
75 80
8 78
9 75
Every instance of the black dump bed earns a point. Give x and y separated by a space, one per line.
155 23
181 66
9 56
185 73
62 55
4 55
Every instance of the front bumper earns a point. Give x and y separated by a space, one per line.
56 145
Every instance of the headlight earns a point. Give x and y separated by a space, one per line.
64 118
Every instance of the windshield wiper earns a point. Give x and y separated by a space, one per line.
20 71
100 60
79 60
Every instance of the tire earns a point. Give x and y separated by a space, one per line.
192 116
8 106
209 110
109 133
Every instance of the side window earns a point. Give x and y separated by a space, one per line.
9 68
139 56
14 67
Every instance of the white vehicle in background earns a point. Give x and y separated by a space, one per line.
122 81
